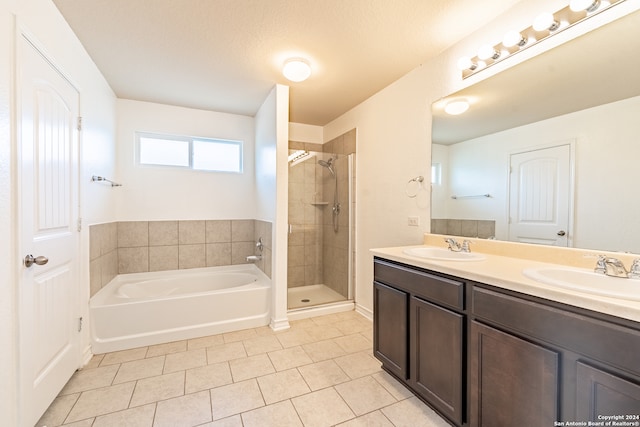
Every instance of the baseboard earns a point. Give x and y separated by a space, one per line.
279 324
364 311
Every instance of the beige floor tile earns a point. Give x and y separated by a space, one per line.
264 330
358 365
281 414
141 416
289 358
282 385
235 398
323 374
206 377
250 367
354 343
364 395
137 369
94 362
168 348
101 401
327 319
261 344
294 337
124 356
319 333
322 408
413 413
185 360
225 352
189 410
392 385
323 350
353 326
58 410
372 419
302 323
234 421
84 423
236 336
158 388
88 379
204 342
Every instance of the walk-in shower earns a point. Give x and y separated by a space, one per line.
320 229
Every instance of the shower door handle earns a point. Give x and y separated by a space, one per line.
290 228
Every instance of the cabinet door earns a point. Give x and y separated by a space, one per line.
390 311
513 382
601 393
437 355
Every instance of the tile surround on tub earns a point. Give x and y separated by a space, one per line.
141 246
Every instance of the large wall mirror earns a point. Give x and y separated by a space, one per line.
549 151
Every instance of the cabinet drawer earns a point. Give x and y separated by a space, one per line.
609 343
428 286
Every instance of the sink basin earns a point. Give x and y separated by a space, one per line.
441 254
586 281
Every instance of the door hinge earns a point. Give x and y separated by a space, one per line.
79 224
80 324
79 123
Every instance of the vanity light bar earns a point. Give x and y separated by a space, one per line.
544 26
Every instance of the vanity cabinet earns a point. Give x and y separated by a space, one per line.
486 356
419 334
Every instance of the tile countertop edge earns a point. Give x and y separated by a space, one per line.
506 273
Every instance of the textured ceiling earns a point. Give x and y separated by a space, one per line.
226 55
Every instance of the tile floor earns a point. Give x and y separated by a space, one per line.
320 372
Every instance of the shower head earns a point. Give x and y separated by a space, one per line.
328 164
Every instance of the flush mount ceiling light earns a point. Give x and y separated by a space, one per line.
546 21
296 70
580 5
544 26
456 107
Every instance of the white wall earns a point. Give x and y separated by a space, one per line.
305 133
42 21
606 151
159 193
272 175
394 136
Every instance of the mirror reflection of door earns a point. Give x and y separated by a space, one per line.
540 190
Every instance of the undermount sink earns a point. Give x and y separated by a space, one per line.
441 254
586 281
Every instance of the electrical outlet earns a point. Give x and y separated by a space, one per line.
414 221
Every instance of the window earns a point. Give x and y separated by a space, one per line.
186 152
436 173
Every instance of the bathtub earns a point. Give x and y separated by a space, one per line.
140 309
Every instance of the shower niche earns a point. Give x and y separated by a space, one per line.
321 233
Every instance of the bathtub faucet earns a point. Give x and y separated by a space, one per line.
254 258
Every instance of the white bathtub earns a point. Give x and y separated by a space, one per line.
140 309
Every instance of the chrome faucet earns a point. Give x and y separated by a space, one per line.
457 247
615 268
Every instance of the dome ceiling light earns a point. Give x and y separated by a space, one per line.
296 70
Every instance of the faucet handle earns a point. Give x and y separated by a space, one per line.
466 246
601 267
634 271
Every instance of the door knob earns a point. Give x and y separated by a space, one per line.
29 260
561 233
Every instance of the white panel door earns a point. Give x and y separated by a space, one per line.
540 196
48 193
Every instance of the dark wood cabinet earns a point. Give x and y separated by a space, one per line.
485 356
512 381
437 356
390 336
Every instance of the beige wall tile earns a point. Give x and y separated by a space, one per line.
133 260
242 230
109 266
191 256
240 251
218 231
218 254
163 233
133 234
350 142
95 276
163 258
109 238
191 232
96 233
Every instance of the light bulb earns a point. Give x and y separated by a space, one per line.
513 38
545 21
465 63
487 51
580 5
296 70
456 107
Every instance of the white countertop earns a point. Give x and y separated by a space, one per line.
506 272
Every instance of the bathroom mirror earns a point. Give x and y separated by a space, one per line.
584 95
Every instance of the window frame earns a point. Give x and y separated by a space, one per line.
190 140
